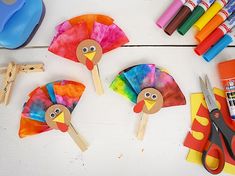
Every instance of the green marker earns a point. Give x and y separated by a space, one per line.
197 13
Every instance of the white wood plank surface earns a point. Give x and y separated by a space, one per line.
136 17
107 122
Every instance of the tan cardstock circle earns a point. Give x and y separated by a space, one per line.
9 2
88 43
49 120
159 100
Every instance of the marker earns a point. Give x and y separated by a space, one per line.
170 12
216 35
182 15
216 21
220 46
227 77
210 13
197 13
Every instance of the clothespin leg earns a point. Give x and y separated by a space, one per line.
96 79
142 126
78 139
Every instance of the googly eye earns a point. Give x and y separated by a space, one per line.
52 115
57 110
85 50
92 48
147 94
154 96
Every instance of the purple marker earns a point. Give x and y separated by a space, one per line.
170 12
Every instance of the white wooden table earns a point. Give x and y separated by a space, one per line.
107 122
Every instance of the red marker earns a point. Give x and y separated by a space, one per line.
215 36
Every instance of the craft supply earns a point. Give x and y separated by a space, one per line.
85 39
182 15
169 13
219 128
10 73
197 13
150 89
227 76
50 107
8 8
216 21
197 137
215 36
19 21
220 46
210 13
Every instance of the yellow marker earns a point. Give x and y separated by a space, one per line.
210 13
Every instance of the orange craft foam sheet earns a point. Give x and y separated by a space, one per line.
197 138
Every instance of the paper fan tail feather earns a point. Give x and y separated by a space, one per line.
68 93
90 20
36 106
122 87
141 77
109 37
65 45
30 127
169 89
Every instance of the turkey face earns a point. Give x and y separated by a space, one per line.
149 101
89 53
58 117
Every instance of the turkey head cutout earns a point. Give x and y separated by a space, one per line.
58 117
89 53
149 101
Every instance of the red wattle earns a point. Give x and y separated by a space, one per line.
89 64
139 107
62 127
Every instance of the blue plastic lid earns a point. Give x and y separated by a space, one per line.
217 48
7 9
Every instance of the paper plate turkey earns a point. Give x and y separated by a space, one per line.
50 107
85 39
150 88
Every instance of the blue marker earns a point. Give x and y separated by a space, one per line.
220 46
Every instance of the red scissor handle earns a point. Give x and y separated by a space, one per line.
213 148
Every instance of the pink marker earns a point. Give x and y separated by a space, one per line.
170 12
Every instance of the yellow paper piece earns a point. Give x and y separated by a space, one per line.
193 155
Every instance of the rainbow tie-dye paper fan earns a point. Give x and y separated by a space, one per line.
64 92
130 82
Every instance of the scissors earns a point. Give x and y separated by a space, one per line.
219 129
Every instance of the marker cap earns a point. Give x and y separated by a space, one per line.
169 13
210 13
178 20
209 41
215 50
209 28
197 13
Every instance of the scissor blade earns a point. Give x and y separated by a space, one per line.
209 96
210 89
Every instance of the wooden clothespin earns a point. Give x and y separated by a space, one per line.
10 73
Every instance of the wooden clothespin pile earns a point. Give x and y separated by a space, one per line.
10 73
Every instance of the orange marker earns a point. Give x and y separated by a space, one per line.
216 21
